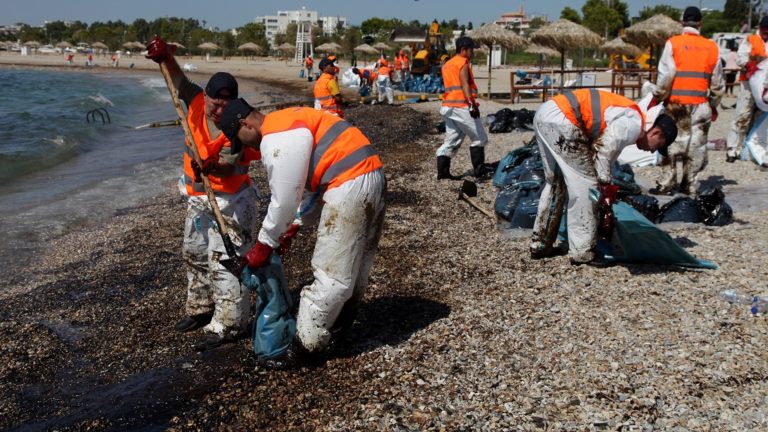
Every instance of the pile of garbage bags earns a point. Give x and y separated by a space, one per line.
507 120
520 179
422 84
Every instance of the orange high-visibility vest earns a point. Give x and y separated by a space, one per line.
384 70
757 54
368 75
585 108
340 151
695 58
206 147
324 96
308 62
454 95
398 62
405 62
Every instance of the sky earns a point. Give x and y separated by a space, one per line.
227 14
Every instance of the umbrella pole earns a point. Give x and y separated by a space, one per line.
562 69
490 56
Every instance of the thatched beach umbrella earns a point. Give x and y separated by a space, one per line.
286 47
177 45
99 45
139 46
128 45
563 35
32 44
494 34
542 51
382 46
618 46
208 46
652 32
63 44
328 48
366 50
250 47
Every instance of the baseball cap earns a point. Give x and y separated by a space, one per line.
464 42
221 86
330 60
692 14
235 111
668 128
764 22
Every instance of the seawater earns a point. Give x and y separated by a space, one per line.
58 172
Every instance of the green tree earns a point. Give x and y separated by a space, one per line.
535 24
289 35
252 32
667 10
570 14
737 11
29 33
714 22
601 19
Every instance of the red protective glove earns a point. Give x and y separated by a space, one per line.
605 202
714 114
208 166
750 69
286 239
653 103
258 256
159 51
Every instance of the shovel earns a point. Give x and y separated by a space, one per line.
467 192
234 264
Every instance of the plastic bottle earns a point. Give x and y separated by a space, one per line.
759 305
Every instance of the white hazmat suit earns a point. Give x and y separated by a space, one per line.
745 104
756 142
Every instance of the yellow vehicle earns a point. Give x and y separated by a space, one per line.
428 48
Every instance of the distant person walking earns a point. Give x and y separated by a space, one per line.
731 68
308 62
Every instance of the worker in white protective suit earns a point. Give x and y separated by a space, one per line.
334 164
461 113
690 83
751 52
216 300
756 142
580 134
384 82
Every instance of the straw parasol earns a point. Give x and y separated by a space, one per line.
63 44
494 34
138 45
652 32
382 46
365 49
329 47
563 35
177 45
286 47
32 44
128 45
618 46
542 51
251 47
99 45
208 46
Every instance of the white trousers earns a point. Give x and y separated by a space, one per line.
564 154
347 241
459 124
757 139
690 147
210 286
745 106
385 90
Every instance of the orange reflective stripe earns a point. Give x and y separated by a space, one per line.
340 151
695 59
198 126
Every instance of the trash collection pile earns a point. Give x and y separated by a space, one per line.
422 84
520 179
507 120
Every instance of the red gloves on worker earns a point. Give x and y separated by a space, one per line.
287 238
259 254
159 51
714 114
208 165
750 69
605 202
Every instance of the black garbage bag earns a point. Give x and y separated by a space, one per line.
502 121
715 211
523 119
682 209
645 204
515 203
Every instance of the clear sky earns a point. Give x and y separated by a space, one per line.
233 13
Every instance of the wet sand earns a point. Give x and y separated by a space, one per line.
460 329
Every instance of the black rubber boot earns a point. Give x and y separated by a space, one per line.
293 357
481 170
189 323
444 169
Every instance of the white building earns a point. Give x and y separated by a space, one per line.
275 24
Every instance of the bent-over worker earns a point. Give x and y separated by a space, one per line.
305 150
690 82
580 134
216 300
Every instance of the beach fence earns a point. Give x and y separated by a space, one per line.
627 82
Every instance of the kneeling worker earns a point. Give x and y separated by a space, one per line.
308 150
327 93
580 135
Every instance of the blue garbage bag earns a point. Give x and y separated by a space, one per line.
638 240
274 326
504 174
